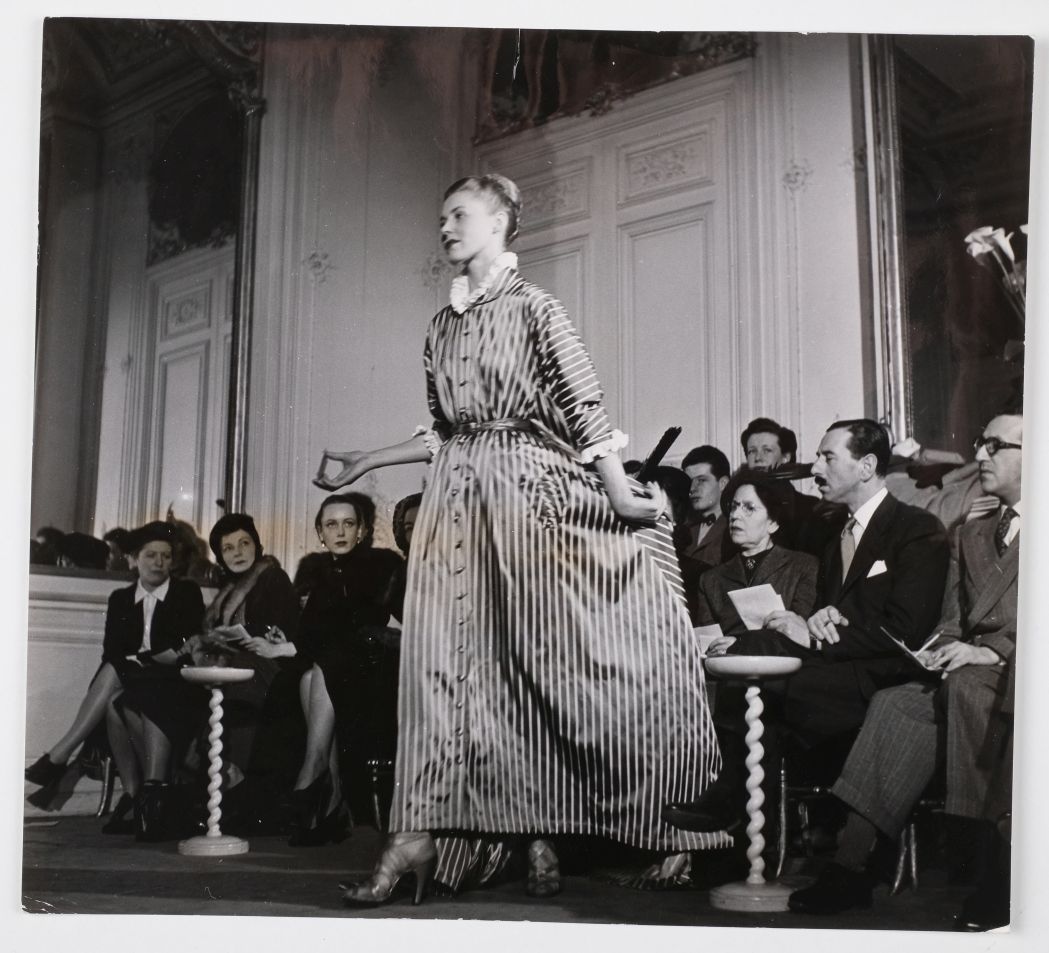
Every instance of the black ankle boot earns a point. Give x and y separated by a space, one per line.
44 771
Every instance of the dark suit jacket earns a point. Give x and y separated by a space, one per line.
896 581
695 558
792 575
175 619
813 525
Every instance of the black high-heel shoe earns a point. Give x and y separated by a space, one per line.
43 797
405 855
312 827
333 828
121 821
44 771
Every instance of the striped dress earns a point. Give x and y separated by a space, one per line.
550 681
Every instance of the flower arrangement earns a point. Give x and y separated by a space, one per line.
993 249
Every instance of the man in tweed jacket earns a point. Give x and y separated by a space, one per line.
960 715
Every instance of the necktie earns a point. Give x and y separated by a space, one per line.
1002 529
848 548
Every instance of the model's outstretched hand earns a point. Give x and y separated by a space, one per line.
354 466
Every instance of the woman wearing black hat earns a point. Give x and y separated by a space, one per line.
146 624
252 623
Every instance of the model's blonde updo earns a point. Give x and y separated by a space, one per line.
500 192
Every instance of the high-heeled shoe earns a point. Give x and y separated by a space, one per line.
42 797
544 871
44 771
405 855
313 823
121 820
333 828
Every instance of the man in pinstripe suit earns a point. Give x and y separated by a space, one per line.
961 716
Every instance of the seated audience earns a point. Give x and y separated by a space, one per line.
885 579
146 624
705 542
940 482
191 555
350 692
82 551
755 506
118 541
251 623
45 552
958 712
772 448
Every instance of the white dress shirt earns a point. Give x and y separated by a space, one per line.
149 600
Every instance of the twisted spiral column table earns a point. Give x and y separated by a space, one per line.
214 843
754 893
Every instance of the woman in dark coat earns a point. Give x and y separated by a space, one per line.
350 692
146 626
756 508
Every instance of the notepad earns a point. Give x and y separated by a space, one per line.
755 603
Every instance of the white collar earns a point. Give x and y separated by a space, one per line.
1015 507
864 513
159 593
460 295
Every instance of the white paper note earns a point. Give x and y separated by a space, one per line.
754 604
706 635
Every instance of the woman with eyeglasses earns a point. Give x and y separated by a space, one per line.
756 508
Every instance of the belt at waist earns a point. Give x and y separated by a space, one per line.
506 423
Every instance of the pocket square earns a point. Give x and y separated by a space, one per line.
877 568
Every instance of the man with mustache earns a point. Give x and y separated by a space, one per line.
882 579
961 714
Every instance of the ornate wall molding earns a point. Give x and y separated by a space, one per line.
797 175
650 169
562 197
318 264
435 271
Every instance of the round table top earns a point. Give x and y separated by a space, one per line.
215 674
753 666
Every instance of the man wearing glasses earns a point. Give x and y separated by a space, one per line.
959 713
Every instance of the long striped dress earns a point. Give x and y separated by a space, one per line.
550 680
